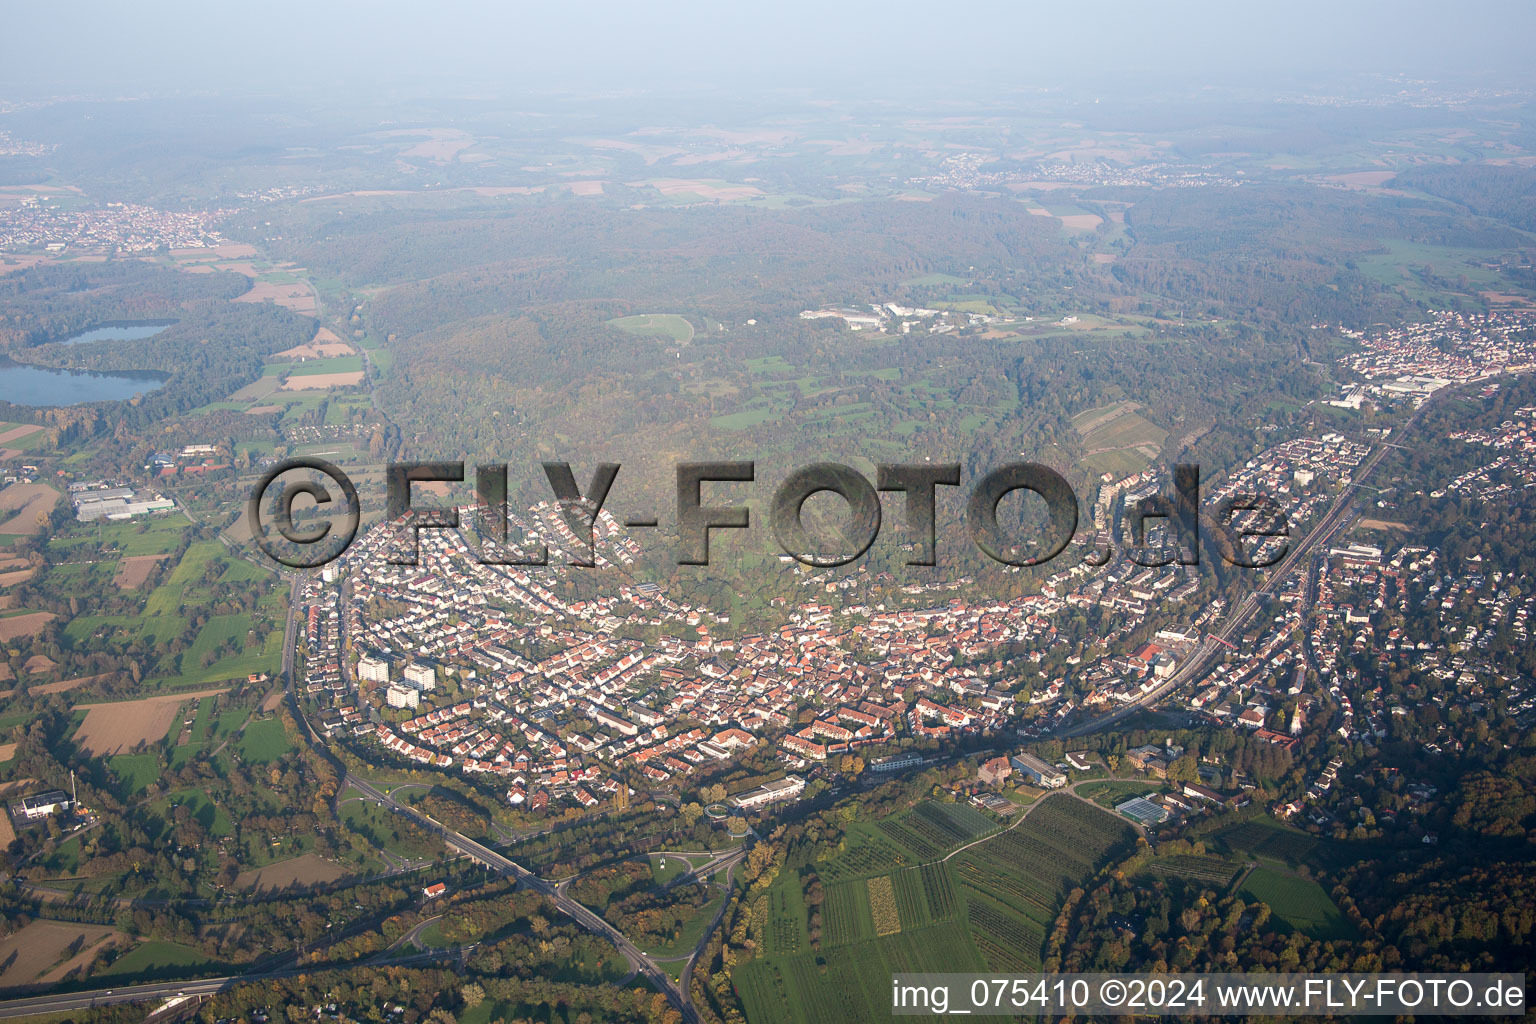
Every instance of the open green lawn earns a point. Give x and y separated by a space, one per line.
432 937
150 958
332 364
149 535
936 281
135 771
968 304
245 657
64 860
745 418
264 741
655 325
338 412
667 866
12 720
224 647
1299 902
1402 263
207 813
386 830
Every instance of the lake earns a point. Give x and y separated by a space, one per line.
119 330
46 387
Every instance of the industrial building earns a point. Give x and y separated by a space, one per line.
1046 776
116 503
42 805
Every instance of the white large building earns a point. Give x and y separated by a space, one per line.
398 696
423 677
120 503
787 788
372 670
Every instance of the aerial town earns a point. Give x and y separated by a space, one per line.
484 670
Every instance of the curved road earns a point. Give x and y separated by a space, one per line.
577 912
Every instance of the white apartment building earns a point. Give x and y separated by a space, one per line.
398 696
372 670
423 677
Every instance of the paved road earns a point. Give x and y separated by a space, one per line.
68 1001
584 917
1237 620
572 909
1019 818
730 887
414 935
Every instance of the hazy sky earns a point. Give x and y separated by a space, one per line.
663 45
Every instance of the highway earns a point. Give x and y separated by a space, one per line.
583 916
84 1000
730 884
577 912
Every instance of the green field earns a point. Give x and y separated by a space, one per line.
1401 264
1266 837
331 364
968 304
207 814
935 281
150 535
987 908
151 958
1118 439
224 647
676 865
385 831
308 368
656 325
1299 902
751 417
134 771
264 741
36 438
